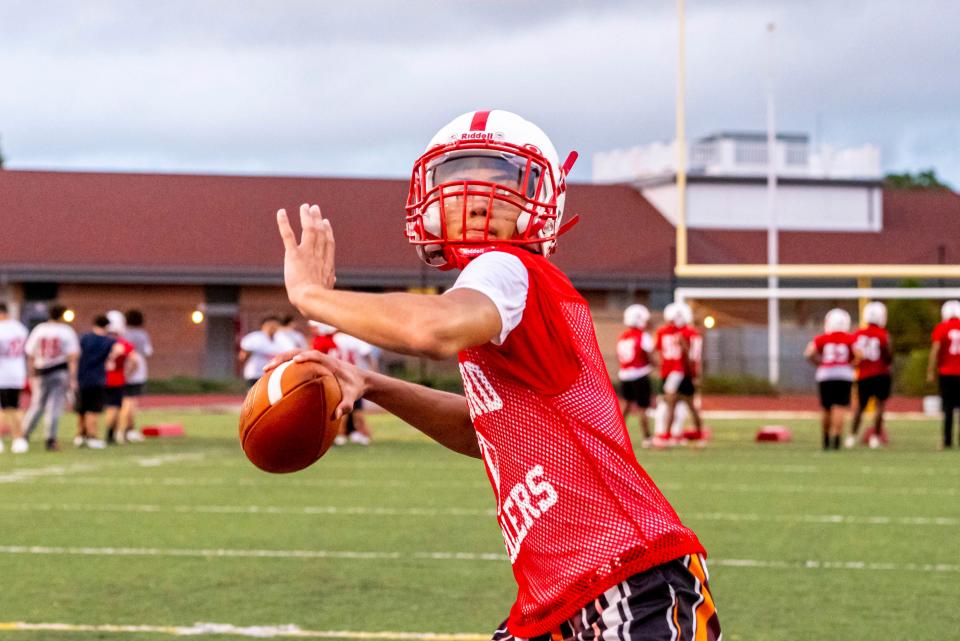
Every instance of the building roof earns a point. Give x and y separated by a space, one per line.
920 227
126 227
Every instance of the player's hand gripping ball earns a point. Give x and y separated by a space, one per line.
286 422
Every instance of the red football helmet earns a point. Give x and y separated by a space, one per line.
480 160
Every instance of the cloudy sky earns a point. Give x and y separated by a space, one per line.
357 88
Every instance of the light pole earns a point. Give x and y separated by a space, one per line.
773 244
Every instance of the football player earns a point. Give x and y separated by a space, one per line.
116 377
945 362
593 543
678 345
53 350
835 356
633 353
328 340
873 371
13 377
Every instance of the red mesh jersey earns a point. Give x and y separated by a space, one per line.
577 512
695 353
836 356
634 362
116 377
835 348
668 344
947 334
873 343
324 343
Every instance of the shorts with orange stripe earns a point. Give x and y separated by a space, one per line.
669 602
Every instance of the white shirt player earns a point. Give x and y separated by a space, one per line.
13 367
292 338
504 280
51 343
261 349
354 351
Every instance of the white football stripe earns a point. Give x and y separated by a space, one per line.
333 510
274 389
259 631
809 564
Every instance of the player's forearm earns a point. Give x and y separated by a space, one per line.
932 360
415 324
442 416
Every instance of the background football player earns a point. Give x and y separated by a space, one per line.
873 371
834 355
945 363
679 346
633 354
593 543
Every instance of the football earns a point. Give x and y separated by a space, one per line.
286 422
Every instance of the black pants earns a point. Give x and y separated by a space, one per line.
950 398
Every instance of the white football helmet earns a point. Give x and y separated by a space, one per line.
875 313
478 158
636 316
836 320
321 329
679 314
950 309
117 322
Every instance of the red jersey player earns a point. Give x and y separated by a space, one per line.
834 355
633 353
945 361
593 543
679 346
873 370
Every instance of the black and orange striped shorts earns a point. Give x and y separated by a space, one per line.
669 602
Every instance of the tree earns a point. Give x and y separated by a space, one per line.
910 322
1 158
921 180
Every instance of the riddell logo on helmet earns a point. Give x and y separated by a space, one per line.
481 135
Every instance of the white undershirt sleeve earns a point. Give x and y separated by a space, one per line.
503 279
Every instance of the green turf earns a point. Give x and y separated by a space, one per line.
786 504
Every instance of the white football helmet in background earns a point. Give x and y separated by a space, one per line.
950 309
636 316
321 329
836 320
117 322
875 313
679 314
529 176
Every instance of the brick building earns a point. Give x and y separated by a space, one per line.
172 244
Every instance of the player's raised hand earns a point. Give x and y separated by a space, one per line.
310 262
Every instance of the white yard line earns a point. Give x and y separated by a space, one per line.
826 519
262 481
267 481
245 509
333 510
242 553
810 564
31 473
259 631
765 488
61 472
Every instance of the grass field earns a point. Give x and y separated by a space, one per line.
400 537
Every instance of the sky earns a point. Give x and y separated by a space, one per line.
317 88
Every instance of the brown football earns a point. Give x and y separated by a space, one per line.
286 422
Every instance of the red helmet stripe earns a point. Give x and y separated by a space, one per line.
479 122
